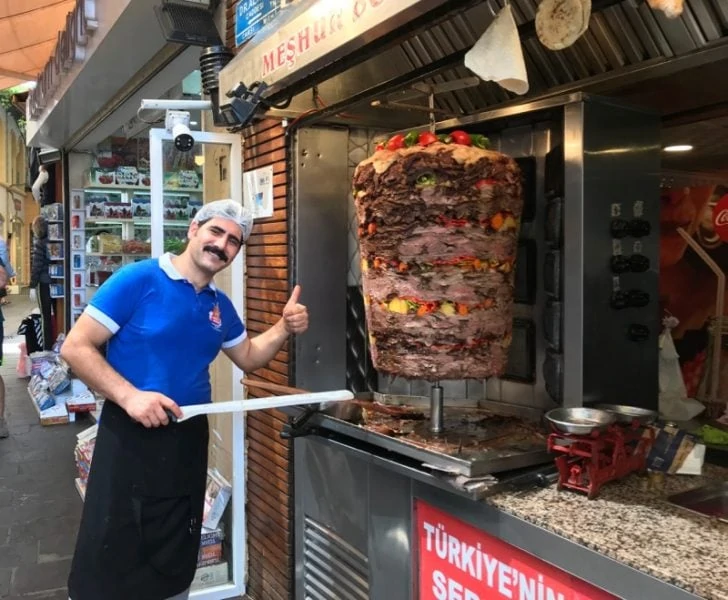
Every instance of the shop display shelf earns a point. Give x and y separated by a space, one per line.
139 188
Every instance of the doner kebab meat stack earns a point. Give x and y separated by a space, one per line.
438 220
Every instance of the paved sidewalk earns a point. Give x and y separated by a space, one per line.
39 505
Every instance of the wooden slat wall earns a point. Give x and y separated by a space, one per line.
270 505
270 502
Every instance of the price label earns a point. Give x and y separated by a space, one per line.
616 209
615 283
638 209
616 247
637 247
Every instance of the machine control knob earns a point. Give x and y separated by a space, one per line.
638 298
639 263
620 264
619 300
637 332
639 228
619 228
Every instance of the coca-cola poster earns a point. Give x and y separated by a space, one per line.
720 219
687 284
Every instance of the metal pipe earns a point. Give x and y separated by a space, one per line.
149 104
436 407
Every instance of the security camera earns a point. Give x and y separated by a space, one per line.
177 122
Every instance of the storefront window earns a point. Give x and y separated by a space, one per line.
111 213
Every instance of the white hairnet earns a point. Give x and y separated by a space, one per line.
227 209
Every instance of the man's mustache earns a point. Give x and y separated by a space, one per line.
217 252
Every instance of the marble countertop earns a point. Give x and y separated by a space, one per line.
631 522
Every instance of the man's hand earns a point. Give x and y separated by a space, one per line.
295 315
147 408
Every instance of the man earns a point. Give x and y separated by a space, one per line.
164 322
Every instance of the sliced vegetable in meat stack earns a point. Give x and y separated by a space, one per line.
438 219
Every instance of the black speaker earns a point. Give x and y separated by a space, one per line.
188 23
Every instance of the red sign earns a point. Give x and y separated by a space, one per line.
720 218
459 562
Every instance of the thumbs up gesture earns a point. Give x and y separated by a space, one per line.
295 315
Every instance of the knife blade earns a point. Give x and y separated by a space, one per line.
213 408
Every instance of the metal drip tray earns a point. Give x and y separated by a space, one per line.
708 501
474 442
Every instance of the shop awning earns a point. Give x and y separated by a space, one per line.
28 33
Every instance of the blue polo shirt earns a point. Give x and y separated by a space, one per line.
165 333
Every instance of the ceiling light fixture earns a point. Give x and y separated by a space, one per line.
678 148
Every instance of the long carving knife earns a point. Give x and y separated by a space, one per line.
214 408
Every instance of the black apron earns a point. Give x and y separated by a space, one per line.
140 530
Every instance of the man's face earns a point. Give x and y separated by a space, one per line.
215 244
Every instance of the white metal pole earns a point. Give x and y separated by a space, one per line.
156 168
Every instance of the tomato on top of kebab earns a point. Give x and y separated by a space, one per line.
425 138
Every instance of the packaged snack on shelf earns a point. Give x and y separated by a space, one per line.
141 207
193 206
127 175
102 177
109 243
95 204
217 495
117 210
136 247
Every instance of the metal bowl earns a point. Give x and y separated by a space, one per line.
579 420
627 414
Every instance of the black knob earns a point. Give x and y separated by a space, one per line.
639 228
638 298
638 333
639 263
619 264
619 300
619 228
